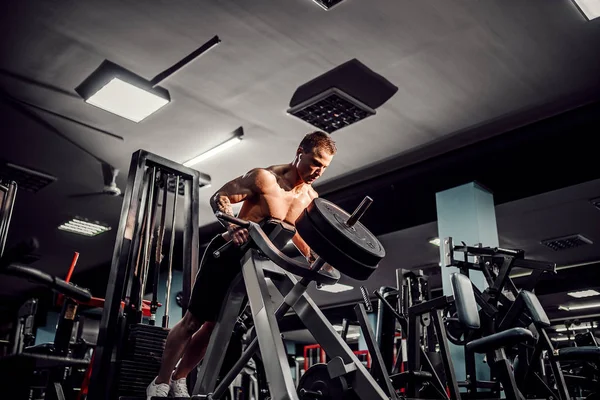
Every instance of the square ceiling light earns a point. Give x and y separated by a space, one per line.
589 8
123 93
83 227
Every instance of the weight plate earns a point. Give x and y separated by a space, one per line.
356 240
329 252
316 384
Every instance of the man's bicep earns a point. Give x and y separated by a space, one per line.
241 187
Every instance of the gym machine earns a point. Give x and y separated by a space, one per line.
339 240
506 307
413 371
20 368
8 192
128 351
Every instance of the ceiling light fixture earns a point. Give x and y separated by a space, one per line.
237 138
435 241
82 227
589 8
128 95
337 288
578 307
584 293
577 328
562 339
327 4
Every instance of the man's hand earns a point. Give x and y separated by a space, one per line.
238 235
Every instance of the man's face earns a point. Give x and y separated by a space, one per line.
312 164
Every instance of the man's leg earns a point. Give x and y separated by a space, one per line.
194 352
177 340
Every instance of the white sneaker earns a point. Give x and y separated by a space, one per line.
179 388
157 390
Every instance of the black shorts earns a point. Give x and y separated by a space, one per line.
213 280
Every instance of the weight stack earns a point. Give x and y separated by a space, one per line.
141 359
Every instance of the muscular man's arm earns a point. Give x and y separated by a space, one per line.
301 245
304 248
253 183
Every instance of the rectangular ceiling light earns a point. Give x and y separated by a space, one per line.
579 307
82 227
127 100
435 241
123 93
589 8
337 288
563 338
237 137
577 328
584 293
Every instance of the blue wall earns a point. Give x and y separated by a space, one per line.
45 334
174 310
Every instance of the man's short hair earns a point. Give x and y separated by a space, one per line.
318 139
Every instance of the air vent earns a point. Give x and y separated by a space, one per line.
567 242
327 4
331 110
26 178
342 96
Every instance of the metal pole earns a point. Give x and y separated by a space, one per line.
149 227
171 247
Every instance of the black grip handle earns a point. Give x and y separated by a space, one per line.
72 291
236 221
50 281
19 252
217 252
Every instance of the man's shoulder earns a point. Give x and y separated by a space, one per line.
262 173
312 193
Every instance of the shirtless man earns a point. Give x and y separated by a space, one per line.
281 192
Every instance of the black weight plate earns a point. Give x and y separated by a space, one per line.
330 253
356 240
316 379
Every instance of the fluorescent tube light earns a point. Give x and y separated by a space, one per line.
577 328
216 150
584 293
589 8
562 339
82 227
579 307
337 288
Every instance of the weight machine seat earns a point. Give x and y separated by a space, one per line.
536 311
505 338
583 353
464 300
401 379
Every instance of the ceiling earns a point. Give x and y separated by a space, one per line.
466 72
